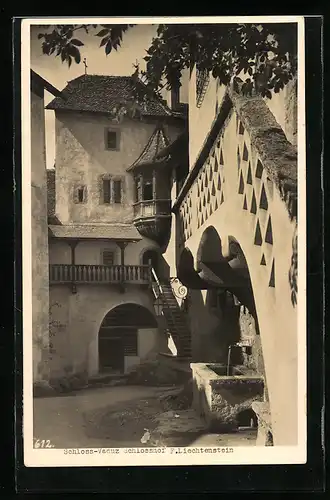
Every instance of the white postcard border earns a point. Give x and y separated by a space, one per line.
169 456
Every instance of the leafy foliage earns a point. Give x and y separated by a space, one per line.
259 57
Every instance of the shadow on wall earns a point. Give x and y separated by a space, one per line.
215 325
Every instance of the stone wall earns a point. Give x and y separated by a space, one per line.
39 257
75 320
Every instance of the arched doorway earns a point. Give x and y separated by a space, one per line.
119 335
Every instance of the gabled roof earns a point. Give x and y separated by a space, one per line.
157 142
100 94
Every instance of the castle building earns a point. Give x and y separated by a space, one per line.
166 225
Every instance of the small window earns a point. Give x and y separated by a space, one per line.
108 258
81 195
112 139
106 190
117 191
147 191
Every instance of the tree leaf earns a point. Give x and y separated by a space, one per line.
104 41
108 47
77 42
74 52
40 35
103 32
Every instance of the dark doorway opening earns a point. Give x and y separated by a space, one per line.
111 351
153 257
118 335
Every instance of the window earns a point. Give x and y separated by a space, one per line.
112 139
80 194
137 189
117 191
111 189
147 191
106 190
108 258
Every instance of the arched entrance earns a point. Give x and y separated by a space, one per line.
119 335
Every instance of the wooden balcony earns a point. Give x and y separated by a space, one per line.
151 208
97 274
152 218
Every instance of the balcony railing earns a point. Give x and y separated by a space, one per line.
82 273
150 208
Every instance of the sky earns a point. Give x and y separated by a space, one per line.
133 48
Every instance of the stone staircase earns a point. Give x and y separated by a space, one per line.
175 318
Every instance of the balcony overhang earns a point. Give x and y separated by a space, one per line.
156 228
153 219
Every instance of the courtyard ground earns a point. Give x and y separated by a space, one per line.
115 417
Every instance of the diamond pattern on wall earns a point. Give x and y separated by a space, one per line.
210 184
256 190
263 199
272 275
186 217
269 232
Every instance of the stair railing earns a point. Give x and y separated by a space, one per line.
162 297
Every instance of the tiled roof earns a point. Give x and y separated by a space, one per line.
100 94
178 148
95 231
157 142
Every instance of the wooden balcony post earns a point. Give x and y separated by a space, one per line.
140 191
122 245
73 244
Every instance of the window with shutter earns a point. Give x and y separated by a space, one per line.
106 191
108 257
117 191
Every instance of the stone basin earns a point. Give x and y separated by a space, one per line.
225 401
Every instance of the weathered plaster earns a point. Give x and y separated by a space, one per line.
276 310
81 158
40 297
75 320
